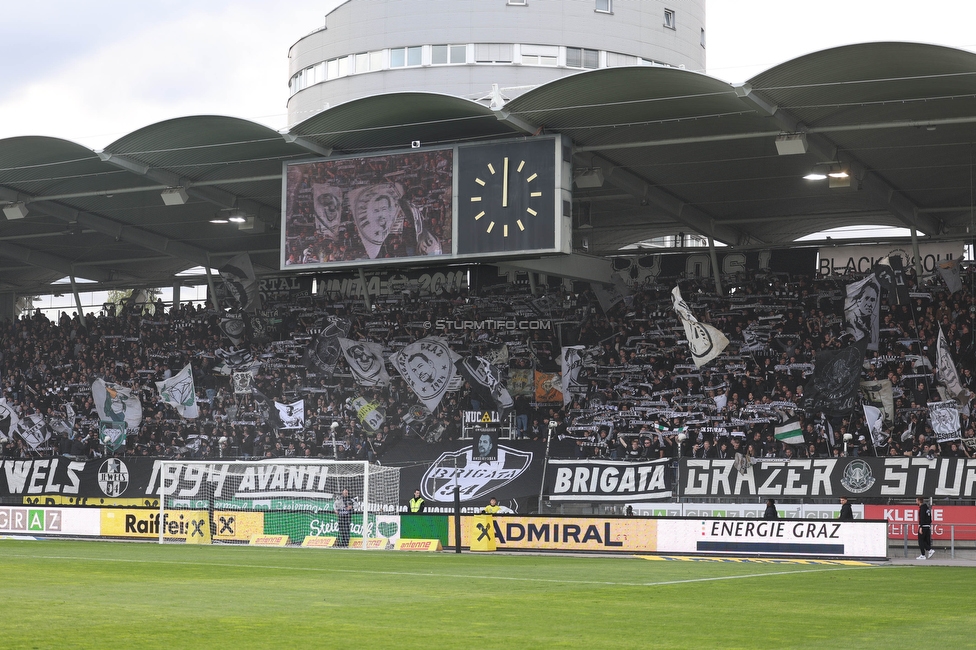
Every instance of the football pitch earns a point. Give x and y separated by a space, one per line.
76 594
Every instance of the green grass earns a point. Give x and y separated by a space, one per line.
73 594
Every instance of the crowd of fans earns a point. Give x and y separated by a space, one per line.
637 395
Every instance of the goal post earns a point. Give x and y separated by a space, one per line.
314 502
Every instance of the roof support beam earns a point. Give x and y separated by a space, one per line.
213 195
693 217
307 144
883 193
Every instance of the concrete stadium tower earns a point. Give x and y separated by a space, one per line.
467 47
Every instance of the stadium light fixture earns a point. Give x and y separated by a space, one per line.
791 144
175 196
15 210
237 217
589 178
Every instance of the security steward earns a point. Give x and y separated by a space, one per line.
492 508
416 505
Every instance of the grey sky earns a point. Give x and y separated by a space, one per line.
94 71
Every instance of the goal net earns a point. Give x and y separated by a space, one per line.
281 501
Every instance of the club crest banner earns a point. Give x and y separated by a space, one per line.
944 417
8 419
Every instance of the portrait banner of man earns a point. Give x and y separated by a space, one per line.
365 359
292 415
862 311
327 200
428 367
485 448
375 210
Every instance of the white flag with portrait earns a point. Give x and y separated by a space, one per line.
365 359
862 311
179 392
292 415
705 341
428 368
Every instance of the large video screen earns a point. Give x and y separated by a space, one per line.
367 209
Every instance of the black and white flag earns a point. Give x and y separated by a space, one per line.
365 359
292 415
947 370
705 341
323 352
944 417
836 378
891 277
33 429
243 382
486 382
862 310
875 421
9 420
234 328
950 272
572 362
240 283
428 367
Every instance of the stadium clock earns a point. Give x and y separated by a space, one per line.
506 197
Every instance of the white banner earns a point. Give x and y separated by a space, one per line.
860 259
705 341
178 391
365 359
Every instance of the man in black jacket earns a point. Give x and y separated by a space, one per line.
846 512
924 530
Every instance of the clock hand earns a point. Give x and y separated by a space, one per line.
505 184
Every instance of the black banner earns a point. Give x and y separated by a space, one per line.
514 478
855 477
608 480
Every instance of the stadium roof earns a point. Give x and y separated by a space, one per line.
677 150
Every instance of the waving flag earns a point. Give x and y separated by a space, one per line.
572 362
324 351
292 415
34 430
789 431
115 403
486 382
427 366
875 421
240 283
179 392
365 359
862 310
947 370
8 420
705 341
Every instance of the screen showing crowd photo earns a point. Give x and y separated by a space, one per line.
354 210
